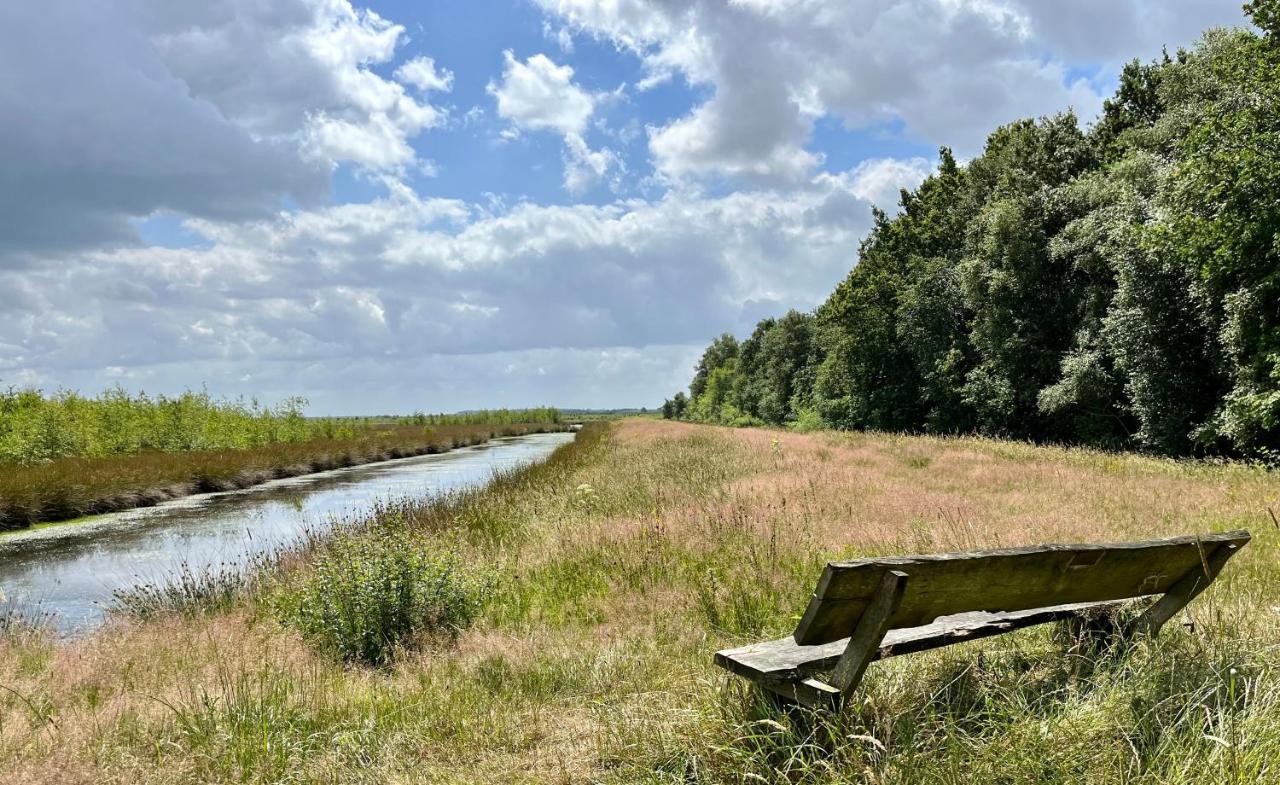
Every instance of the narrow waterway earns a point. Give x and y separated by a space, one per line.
67 574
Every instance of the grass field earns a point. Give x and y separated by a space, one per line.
591 592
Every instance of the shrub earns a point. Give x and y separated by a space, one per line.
371 593
808 420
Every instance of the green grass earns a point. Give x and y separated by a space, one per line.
603 581
36 429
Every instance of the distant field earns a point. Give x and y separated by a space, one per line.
565 627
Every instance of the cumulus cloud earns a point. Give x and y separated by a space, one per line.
948 71
228 111
300 68
539 95
880 180
421 72
583 167
220 109
407 277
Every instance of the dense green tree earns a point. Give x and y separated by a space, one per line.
867 379
933 320
722 350
1222 200
1266 15
784 367
888 341
675 407
749 384
1024 301
1088 401
1134 109
1118 286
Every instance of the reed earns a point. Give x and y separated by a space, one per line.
190 590
37 428
69 488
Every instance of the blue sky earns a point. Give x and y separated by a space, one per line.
392 205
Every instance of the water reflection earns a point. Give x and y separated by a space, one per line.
70 572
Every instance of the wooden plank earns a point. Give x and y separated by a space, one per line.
807 692
1011 579
784 660
864 643
1186 589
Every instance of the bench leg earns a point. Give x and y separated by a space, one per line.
864 643
1186 589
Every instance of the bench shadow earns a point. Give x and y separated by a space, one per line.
1174 685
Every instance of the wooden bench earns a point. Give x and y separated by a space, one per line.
872 609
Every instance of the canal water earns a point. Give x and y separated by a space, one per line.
67 574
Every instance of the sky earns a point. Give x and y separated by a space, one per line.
389 205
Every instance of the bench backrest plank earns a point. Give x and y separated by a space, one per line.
1013 579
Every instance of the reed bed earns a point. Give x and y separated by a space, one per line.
608 576
36 428
69 488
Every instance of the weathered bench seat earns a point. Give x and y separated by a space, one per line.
786 660
871 609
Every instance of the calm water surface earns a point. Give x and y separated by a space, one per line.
68 573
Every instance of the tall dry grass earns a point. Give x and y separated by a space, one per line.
619 567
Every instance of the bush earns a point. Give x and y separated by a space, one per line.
372 593
808 420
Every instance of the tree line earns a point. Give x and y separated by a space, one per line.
1116 286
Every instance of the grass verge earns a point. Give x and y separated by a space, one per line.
611 573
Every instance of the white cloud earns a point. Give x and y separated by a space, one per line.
539 95
421 73
405 278
719 139
223 109
562 37
880 180
948 70
583 167
301 68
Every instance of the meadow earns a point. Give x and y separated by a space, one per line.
558 626
65 456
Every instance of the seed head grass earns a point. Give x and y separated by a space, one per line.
586 654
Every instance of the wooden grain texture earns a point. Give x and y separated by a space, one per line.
1005 580
1196 580
785 660
867 635
813 693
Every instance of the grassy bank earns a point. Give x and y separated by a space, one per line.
566 631
72 487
